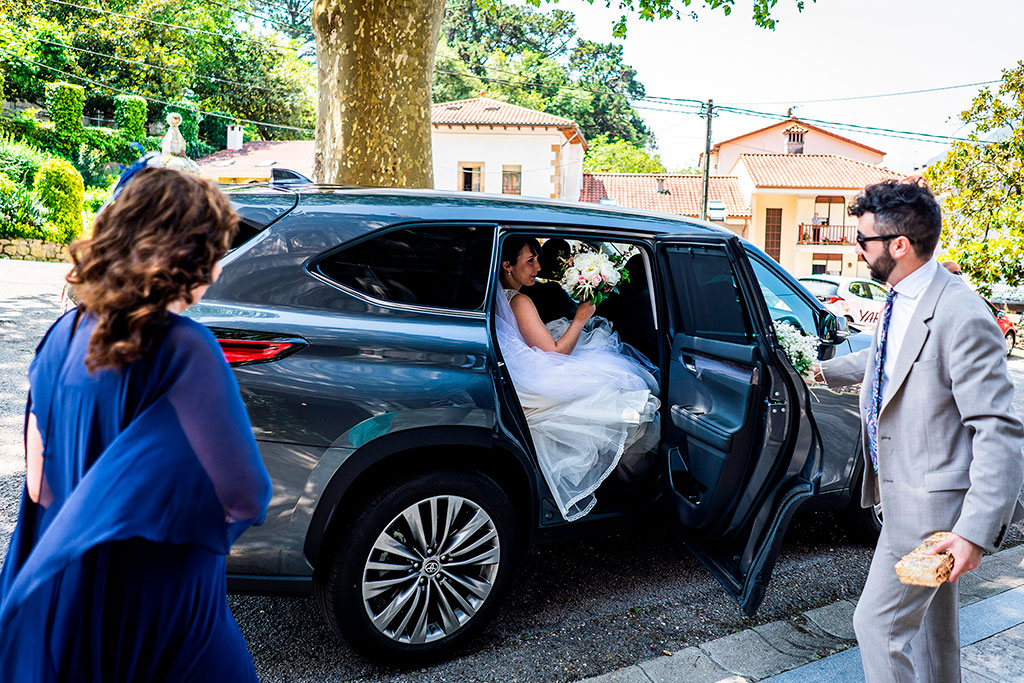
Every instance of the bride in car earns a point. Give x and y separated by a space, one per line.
588 398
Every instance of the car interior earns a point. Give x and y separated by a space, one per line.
632 310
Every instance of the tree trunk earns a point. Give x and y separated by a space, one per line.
375 62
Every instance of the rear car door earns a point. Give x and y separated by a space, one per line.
740 450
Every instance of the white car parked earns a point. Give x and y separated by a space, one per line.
858 300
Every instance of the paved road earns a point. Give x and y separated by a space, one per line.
577 609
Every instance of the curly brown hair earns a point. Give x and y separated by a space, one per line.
157 242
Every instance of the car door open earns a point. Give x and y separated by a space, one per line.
739 451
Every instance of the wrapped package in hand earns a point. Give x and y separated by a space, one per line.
918 569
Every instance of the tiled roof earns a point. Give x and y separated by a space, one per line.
682 194
817 171
483 111
256 158
795 121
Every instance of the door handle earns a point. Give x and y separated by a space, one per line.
689 362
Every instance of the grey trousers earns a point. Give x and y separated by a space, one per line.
906 633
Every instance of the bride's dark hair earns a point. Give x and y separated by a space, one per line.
158 241
511 247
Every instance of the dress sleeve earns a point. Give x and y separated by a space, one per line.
206 398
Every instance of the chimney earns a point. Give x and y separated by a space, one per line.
236 135
661 186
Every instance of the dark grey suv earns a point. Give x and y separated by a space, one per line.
405 483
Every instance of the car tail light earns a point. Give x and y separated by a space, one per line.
242 351
833 299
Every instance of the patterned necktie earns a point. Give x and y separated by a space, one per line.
876 388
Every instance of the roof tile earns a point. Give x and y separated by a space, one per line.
485 111
682 194
817 171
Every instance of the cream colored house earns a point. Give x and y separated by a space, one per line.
483 145
791 136
786 191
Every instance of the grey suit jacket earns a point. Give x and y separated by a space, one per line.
949 440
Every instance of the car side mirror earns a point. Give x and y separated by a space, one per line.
832 329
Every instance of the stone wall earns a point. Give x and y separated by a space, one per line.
33 250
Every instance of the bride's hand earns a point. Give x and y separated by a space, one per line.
585 311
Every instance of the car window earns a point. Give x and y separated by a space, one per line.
821 288
708 298
428 265
784 301
877 291
859 289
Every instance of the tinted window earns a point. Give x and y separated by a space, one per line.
879 292
708 299
821 287
435 266
257 211
860 289
784 301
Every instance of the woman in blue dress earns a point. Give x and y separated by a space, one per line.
141 467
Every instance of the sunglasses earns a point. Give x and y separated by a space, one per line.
862 240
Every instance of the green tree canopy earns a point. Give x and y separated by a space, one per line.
247 70
619 156
981 186
523 56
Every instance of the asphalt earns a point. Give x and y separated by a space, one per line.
819 645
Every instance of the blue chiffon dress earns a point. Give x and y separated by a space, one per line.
150 474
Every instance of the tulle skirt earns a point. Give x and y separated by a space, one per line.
585 410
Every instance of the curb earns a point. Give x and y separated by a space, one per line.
819 644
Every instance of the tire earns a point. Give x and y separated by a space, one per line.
421 601
1011 341
864 524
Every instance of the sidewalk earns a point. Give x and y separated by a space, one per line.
819 645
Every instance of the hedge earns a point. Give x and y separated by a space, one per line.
130 114
60 189
64 103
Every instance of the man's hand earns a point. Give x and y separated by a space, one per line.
966 555
815 372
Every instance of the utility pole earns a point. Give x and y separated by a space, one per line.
707 164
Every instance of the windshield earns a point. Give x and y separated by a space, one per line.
820 288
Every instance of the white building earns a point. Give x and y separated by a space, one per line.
480 145
483 145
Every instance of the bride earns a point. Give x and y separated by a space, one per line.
588 398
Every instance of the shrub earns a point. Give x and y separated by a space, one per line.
61 190
65 102
114 145
20 161
21 215
130 114
94 166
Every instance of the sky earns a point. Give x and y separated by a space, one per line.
834 48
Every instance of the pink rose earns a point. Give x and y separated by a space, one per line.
596 280
582 279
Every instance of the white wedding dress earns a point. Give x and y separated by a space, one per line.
584 410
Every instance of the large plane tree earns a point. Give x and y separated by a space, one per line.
375 61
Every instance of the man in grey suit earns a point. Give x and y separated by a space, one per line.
942 442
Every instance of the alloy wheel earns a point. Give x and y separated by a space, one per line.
431 569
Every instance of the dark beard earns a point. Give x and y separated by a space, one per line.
882 267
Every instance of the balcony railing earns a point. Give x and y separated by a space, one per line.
810 233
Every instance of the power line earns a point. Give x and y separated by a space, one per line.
870 97
853 126
255 15
164 68
152 99
174 26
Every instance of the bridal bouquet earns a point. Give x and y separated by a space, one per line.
592 275
801 349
